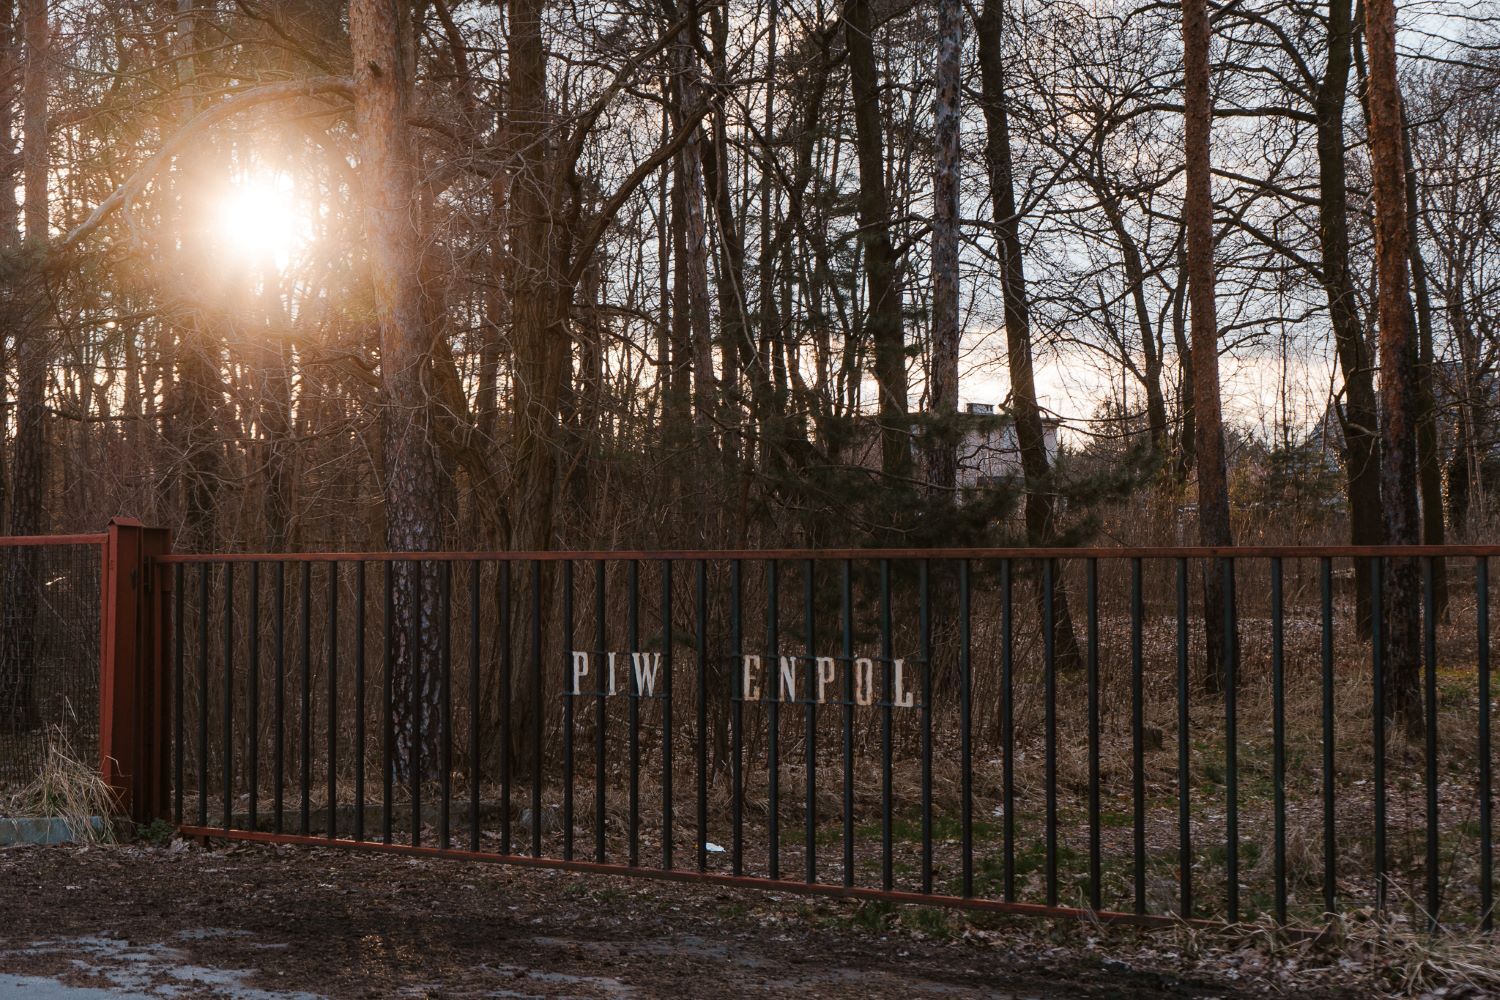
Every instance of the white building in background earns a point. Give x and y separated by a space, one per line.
988 454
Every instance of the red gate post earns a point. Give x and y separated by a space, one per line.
134 714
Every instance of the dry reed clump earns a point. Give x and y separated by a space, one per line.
68 789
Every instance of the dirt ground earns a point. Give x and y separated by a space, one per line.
268 923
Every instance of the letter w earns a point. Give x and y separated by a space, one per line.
645 666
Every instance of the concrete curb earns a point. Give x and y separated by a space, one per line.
43 830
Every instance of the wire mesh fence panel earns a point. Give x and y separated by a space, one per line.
49 656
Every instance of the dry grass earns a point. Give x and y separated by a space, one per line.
70 789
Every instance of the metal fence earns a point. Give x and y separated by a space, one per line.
1039 731
49 651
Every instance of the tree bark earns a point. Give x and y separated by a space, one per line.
29 464
1026 412
942 397
539 332
1359 418
1429 463
1198 211
1397 357
884 319
378 35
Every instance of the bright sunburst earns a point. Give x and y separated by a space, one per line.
262 221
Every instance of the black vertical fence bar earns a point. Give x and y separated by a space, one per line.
1377 695
445 705
568 698
387 702
203 571
476 747
1278 740
1049 682
886 861
177 689
1137 737
810 807
359 700
737 720
278 705
1091 600
965 743
228 761
633 638
333 700
1330 776
924 644
304 744
414 694
700 657
1007 733
1430 741
773 720
538 720
1184 753
601 705
1231 752
252 705
1486 842
507 664
666 714
846 649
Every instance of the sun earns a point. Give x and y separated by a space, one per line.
263 222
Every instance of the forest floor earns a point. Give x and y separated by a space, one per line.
274 923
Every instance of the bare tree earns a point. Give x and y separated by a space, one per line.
1198 214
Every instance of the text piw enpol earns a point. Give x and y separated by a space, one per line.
790 681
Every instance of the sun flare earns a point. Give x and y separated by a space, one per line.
263 222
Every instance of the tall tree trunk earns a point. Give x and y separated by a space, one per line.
1026 412
1429 463
943 431
10 211
884 319
1187 438
539 331
378 36
694 259
1198 212
1359 418
1397 357
29 464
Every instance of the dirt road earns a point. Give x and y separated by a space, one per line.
260 923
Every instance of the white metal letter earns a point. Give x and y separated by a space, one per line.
904 698
645 666
580 668
864 681
749 689
788 678
825 675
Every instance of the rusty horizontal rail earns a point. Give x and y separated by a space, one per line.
14 541
1108 552
859 893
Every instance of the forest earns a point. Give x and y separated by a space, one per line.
298 276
